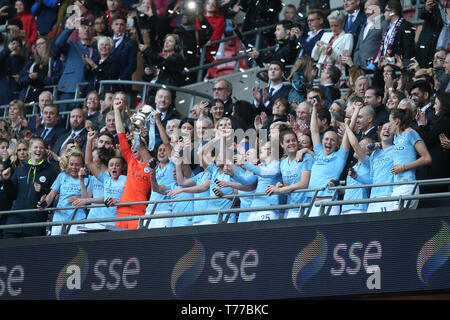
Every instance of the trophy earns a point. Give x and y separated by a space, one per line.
140 120
143 120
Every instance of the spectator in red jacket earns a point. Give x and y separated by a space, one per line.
28 21
217 22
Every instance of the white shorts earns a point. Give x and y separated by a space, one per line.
160 223
380 206
263 215
203 222
403 190
353 211
56 230
293 213
315 211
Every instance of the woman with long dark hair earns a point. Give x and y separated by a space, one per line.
170 61
43 69
431 136
410 153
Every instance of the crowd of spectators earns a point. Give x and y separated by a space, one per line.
352 97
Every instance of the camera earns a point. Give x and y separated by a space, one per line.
390 60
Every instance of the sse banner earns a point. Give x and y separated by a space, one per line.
275 260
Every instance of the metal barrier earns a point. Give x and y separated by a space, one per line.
304 208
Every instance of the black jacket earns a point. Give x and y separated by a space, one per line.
21 188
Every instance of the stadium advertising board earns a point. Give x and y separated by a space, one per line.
298 261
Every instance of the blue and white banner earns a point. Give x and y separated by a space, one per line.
290 259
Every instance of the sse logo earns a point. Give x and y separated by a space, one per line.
309 261
188 268
229 267
106 275
348 260
434 254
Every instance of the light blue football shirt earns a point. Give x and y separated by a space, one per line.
326 168
67 187
405 152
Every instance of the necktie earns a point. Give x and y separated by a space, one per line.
349 22
44 133
271 93
63 147
115 42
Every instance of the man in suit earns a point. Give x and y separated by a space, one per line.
163 104
398 37
356 18
125 49
285 47
304 7
421 93
315 20
374 98
370 36
431 29
328 79
223 90
73 72
365 124
51 129
77 132
264 98
36 121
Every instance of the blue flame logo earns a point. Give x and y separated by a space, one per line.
79 262
434 254
188 268
309 261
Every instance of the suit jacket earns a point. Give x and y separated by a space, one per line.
367 47
126 57
344 43
283 92
356 26
372 133
286 52
32 124
430 114
74 66
308 46
331 93
53 135
426 44
109 69
81 138
381 115
404 40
